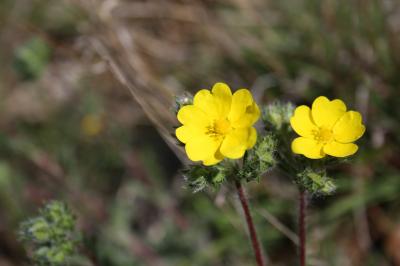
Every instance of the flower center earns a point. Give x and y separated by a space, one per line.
323 135
219 128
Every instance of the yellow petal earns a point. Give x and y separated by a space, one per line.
235 143
192 115
326 113
244 111
216 158
308 147
252 138
339 149
186 133
349 128
301 121
241 99
205 101
223 97
201 148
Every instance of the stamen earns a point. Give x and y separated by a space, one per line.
219 128
322 135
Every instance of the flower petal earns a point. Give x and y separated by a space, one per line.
205 101
349 128
301 121
223 98
308 147
192 115
216 158
326 113
244 111
252 138
235 143
201 148
186 133
337 149
240 100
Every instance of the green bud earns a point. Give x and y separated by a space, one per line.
277 115
57 213
197 184
198 177
260 159
57 255
38 230
40 255
51 236
183 99
316 182
265 150
50 256
218 178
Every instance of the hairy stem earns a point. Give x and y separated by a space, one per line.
302 227
250 225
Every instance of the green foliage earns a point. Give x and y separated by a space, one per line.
315 182
31 58
260 159
198 177
51 235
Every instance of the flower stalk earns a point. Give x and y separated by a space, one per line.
250 225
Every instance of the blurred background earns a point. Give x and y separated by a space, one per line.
86 95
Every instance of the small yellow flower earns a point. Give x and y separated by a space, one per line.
91 125
218 124
326 129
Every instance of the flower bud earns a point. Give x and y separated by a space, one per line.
186 98
198 177
51 236
260 159
277 115
316 182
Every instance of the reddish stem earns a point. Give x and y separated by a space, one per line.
302 227
250 225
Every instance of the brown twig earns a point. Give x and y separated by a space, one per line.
250 224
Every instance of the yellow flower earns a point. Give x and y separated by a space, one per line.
326 129
91 125
218 124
